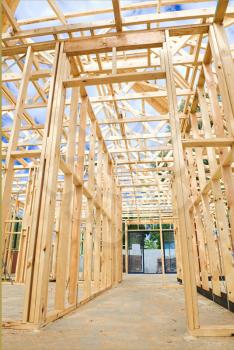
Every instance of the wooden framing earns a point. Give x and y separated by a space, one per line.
115 125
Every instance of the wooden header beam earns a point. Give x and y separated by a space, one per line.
121 41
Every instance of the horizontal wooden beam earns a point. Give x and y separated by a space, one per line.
136 120
151 137
35 75
147 161
22 49
26 154
114 78
142 119
151 177
121 41
139 150
144 170
173 31
212 142
8 108
151 184
142 95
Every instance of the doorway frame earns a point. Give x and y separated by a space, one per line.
127 231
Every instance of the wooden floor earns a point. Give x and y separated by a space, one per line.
144 312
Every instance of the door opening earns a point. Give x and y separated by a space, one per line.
145 252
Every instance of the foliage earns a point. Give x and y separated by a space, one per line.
152 241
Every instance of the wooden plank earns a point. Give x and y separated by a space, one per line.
114 61
115 78
21 49
76 225
198 238
66 210
143 95
209 142
36 294
88 240
182 193
177 236
35 75
109 242
220 11
26 154
12 145
136 120
114 233
121 41
98 219
53 4
10 16
5 21
26 223
130 150
104 225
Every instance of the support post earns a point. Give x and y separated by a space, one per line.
182 195
76 224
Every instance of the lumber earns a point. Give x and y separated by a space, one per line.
110 123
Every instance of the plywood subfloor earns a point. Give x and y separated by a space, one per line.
142 313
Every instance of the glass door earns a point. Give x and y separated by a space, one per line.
169 252
135 252
145 252
152 253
